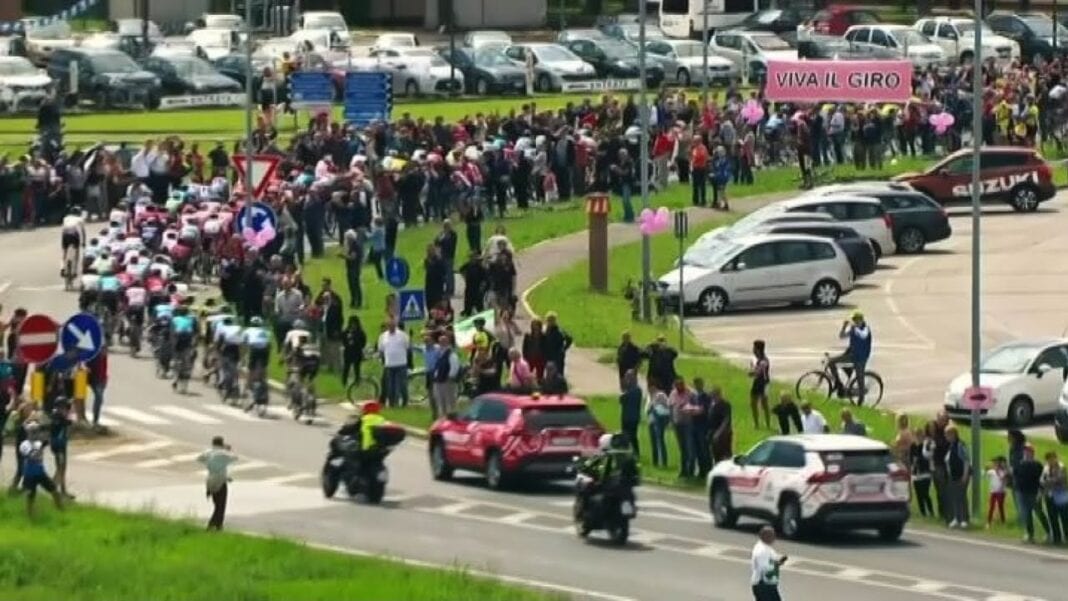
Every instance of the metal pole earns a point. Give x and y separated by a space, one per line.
704 57
1055 28
682 305
144 27
249 103
563 17
452 43
977 139
643 160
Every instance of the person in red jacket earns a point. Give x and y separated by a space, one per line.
98 381
663 146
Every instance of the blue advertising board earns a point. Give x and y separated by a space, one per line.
368 97
311 88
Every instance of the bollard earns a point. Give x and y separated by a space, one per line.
37 387
597 207
81 391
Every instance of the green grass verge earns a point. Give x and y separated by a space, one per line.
95 554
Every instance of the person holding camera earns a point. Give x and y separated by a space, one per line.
34 474
217 460
766 563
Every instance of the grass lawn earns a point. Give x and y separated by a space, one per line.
99 555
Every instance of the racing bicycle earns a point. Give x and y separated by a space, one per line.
183 370
70 267
227 382
827 383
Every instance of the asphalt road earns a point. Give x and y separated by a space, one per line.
525 534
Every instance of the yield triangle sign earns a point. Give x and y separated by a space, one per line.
259 171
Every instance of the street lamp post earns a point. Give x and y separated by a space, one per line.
249 103
976 342
704 57
643 161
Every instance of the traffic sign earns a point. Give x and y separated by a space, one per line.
82 336
260 171
682 224
38 338
978 398
310 88
368 96
257 216
397 272
412 305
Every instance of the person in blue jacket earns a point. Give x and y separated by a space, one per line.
721 174
857 331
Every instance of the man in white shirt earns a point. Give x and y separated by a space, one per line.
812 421
217 460
141 163
393 345
765 563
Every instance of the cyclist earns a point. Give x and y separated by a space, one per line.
134 301
184 328
301 355
90 290
72 236
257 340
110 288
858 352
227 343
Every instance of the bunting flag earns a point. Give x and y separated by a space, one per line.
75 10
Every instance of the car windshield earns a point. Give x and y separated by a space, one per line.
688 49
1043 27
213 39
113 63
1011 359
910 37
857 462
562 416
618 49
494 58
17 66
426 54
191 67
553 54
763 17
967 27
325 22
770 42
711 257
58 30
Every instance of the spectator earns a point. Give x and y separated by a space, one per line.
393 345
534 348
377 255
682 420
1027 484
698 408
903 440
628 358
939 475
355 239
721 426
996 475
920 452
507 333
520 377
354 340
557 341
31 453
787 413
699 160
98 382
554 383
446 373
331 307
721 174
812 421
760 371
958 472
60 420
661 371
1054 482
288 307
217 460
475 280
851 426
435 276
630 409
658 410
446 243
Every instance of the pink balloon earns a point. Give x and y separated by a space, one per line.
645 215
663 214
646 228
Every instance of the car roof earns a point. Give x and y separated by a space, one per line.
991 149
807 200
757 238
527 401
92 51
833 442
1033 342
826 225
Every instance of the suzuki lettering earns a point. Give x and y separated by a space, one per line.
997 184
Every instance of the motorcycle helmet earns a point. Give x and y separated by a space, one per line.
256 322
370 408
604 442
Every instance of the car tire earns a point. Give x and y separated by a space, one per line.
911 241
1062 435
1021 412
482 86
439 465
544 83
411 88
1024 198
713 301
826 294
891 532
719 504
101 100
877 248
790 525
683 77
495 476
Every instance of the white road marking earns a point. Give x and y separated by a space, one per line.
186 414
229 411
287 479
124 449
248 466
517 518
136 415
455 508
853 573
4 287
157 463
896 312
929 587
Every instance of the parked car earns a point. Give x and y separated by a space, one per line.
1016 175
839 49
834 20
918 220
486 70
505 436
415 70
760 270
956 36
807 482
235 66
569 35
220 21
631 32
325 19
189 75
750 51
616 59
857 248
780 21
174 47
1033 32
902 41
554 65
864 214
136 28
214 43
482 38
1027 377
683 63
23 87
332 44
107 77
43 40
750 224
395 40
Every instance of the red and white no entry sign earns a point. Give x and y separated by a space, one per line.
38 338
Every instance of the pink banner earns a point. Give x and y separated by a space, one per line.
839 81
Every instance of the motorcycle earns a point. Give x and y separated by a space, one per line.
609 506
363 472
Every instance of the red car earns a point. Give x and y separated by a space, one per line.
1014 174
835 20
505 436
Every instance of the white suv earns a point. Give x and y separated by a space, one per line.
864 214
804 482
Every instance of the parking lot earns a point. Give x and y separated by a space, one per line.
919 306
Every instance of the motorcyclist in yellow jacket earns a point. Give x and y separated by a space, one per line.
370 418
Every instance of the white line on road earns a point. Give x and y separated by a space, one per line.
853 573
136 415
186 414
455 508
287 479
248 466
125 449
896 312
4 287
156 463
231 412
517 518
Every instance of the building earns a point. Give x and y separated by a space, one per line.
479 14
10 11
166 13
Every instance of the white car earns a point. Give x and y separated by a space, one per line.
22 86
42 40
395 40
415 70
214 43
750 51
762 269
866 215
956 36
683 63
1027 378
806 483
175 47
486 38
221 21
901 40
325 19
554 65
751 223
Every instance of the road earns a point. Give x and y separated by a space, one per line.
525 535
919 307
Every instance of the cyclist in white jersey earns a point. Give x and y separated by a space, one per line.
73 235
120 216
135 298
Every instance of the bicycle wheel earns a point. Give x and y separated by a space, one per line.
417 390
813 384
363 389
873 389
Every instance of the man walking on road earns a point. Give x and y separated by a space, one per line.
217 460
766 563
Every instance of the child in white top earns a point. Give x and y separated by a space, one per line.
996 475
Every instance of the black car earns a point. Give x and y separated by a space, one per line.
189 75
486 70
107 77
235 66
1033 32
858 249
615 58
917 219
783 21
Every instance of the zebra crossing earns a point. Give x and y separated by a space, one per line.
203 414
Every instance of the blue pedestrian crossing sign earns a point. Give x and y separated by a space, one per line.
412 305
397 272
82 337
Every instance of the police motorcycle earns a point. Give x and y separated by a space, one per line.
361 468
604 490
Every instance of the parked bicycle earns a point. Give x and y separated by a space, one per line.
828 383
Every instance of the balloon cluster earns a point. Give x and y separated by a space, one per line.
752 112
941 122
650 223
261 238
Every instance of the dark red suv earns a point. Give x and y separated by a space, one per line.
506 436
836 19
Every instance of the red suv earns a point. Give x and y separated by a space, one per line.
507 435
835 20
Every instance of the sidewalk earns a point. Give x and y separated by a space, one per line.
586 375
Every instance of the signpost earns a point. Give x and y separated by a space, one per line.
82 337
682 229
38 338
397 273
368 97
412 305
257 173
597 207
